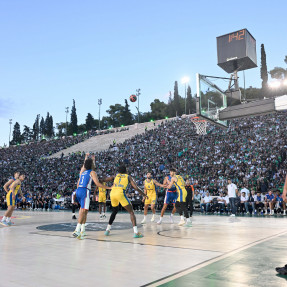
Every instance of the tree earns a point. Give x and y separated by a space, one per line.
158 110
189 101
176 100
90 122
116 115
27 134
61 127
278 73
127 117
170 106
36 128
49 129
42 127
16 134
263 69
73 126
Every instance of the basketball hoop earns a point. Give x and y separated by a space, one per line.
200 125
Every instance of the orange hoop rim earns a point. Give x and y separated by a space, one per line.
197 119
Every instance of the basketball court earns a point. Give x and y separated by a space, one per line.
215 251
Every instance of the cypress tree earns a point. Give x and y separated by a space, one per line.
127 116
89 122
73 126
176 101
263 69
16 134
189 109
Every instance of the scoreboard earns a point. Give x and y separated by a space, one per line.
236 51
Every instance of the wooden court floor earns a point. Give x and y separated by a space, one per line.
39 250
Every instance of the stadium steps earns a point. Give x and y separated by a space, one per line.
103 142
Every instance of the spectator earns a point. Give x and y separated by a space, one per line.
206 203
269 202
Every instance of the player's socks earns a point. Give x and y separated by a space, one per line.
4 218
152 219
8 219
171 218
83 228
144 220
135 229
78 228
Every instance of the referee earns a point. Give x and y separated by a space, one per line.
190 195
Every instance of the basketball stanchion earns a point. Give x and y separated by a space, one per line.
200 125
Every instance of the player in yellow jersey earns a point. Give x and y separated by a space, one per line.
14 189
149 189
180 205
118 196
102 198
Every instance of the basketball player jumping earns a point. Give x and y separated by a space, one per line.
87 175
149 189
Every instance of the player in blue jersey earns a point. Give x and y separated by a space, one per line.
87 175
170 197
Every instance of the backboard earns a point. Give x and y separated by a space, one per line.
210 101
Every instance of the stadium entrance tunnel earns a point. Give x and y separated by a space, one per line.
90 226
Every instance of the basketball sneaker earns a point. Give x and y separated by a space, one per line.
143 221
104 216
76 233
10 223
107 232
182 222
138 235
171 219
4 223
159 222
282 270
81 236
152 219
101 217
74 217
188 224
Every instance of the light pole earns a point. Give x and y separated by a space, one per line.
138 97
185 80
100 103
67 111
10 123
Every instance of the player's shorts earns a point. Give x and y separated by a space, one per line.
181 196
9 199
119 197
83 197
151 198
170 197
102 197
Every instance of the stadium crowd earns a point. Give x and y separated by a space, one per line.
252 152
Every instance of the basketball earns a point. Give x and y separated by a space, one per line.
133 98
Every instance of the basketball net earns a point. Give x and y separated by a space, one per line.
200 125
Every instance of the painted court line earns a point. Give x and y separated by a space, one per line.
208 262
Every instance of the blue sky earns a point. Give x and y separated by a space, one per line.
54 51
